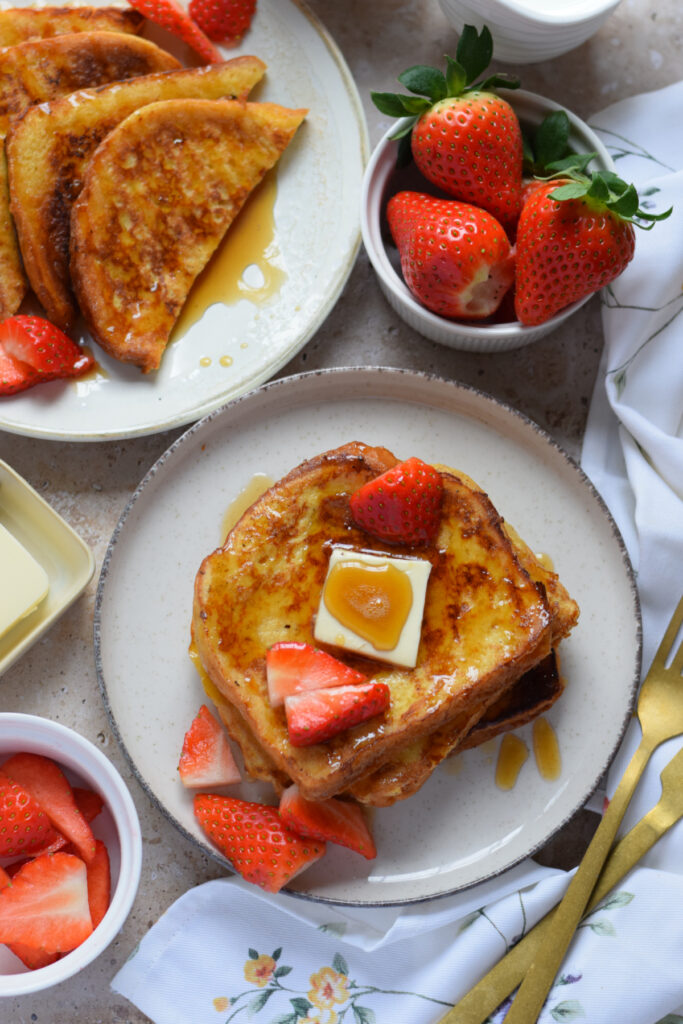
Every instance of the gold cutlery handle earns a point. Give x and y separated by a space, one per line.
543 969
482 1000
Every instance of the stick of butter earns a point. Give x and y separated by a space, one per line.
23 583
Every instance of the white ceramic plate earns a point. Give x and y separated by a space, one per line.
67 560
235 347
459 829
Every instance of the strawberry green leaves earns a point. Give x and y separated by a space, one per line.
611 192
430 86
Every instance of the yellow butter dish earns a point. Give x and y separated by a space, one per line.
44 566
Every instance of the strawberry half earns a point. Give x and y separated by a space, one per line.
255 840
294 667
175 19
47 784
337 821
223 19
455 258
206 758
403 505
318 715
42 346
25 827
46 904
464 138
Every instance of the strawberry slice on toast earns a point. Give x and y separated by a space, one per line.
295 667
319 715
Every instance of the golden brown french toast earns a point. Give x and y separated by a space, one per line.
20 23
485 621
50 146
44 69
159 193
13 284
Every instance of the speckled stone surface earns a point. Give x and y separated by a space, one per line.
637 50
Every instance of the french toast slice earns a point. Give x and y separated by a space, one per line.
42 69
20 23
159 194
49 148
485 621
45 69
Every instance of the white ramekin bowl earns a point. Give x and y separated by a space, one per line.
529 31
117 825
382 180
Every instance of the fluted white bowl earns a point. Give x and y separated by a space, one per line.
529 31
117 825
381 181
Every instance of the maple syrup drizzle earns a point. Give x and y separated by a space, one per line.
251 241
371 600
546 750
257 486
511 756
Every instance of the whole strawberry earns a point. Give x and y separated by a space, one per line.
222 20
464 137
403 505
455 258
575 235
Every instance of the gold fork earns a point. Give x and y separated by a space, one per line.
660 713
482 1000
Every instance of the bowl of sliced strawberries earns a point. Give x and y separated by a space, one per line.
70 853
491 214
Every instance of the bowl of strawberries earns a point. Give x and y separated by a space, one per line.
70 853
490 214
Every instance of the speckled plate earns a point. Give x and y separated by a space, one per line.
292 284
460 829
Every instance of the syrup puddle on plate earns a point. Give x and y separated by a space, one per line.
244 266
257 486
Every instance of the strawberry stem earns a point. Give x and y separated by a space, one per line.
606 189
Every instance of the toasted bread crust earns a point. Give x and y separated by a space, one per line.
159 193
51 145
20 23
485 620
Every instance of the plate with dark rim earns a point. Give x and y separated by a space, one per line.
460 829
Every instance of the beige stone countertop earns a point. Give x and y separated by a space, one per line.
637 50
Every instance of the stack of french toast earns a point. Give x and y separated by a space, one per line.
487 651
121 170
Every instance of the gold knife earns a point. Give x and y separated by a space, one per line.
481 1001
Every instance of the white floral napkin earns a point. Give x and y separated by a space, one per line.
225 951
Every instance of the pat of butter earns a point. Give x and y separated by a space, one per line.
414 576
23 583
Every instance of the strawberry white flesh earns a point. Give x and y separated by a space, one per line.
46 904
206 758
293 667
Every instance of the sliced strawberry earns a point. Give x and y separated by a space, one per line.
402 505
254 839
37 342
46 905
206 758
175 19
90 804
223 19
293 667
319 715
15 376
30 957
99 883
25 827
337 821
47 784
